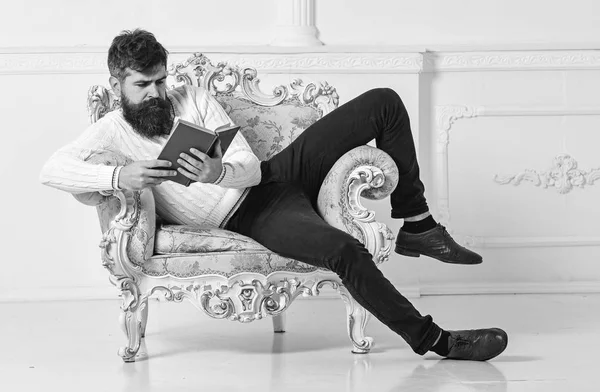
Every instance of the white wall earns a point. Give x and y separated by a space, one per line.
51 242
73 23
430 23
436 23
514 121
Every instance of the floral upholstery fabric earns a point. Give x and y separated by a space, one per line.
187 251
190 239
269 129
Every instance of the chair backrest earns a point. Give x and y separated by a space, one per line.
269 121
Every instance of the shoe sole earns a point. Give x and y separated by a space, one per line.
406 252
413 253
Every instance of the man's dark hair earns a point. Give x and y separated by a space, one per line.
137 50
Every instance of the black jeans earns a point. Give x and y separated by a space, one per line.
280 213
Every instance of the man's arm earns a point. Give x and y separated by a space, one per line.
67 170
241 167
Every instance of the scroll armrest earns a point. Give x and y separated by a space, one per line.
127 219
364 171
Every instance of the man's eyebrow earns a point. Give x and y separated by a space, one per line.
143 81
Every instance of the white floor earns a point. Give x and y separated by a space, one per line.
554 344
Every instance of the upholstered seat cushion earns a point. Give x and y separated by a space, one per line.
191 239
186 251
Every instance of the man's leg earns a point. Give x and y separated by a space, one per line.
280 217
377 114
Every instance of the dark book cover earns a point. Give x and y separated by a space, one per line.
187 135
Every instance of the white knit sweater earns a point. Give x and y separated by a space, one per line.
199 204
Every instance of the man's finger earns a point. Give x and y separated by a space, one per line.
156 163
199 154
190 159
186 173
189 167
161 173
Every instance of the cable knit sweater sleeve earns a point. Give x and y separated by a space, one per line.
241 166
67 170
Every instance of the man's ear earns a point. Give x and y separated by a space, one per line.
115 85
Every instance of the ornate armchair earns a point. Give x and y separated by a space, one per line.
227 275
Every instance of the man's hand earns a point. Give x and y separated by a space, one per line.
200 167
142 174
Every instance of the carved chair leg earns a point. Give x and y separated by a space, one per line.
279 322
131 323
358 318
144 317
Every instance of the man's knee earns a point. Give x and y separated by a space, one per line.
385 95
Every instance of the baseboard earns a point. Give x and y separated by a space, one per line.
65 293
95 293
407 291
511 288
110 293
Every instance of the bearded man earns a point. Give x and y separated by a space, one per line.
273 202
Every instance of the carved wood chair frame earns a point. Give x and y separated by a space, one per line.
247 296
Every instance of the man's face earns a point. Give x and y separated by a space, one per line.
142 86
144 101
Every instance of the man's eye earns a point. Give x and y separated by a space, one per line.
160 82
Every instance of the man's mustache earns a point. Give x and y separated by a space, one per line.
150 103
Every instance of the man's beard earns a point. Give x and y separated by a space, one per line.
149 118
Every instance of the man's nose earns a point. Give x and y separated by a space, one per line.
153 91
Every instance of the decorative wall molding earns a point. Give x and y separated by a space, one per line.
446 116
328 62
52 63
95 63
512 60
288 60
562 176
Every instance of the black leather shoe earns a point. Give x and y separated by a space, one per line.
435 243
477 344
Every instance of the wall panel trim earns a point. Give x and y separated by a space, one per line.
445 117
349 59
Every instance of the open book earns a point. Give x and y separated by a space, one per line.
187 135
